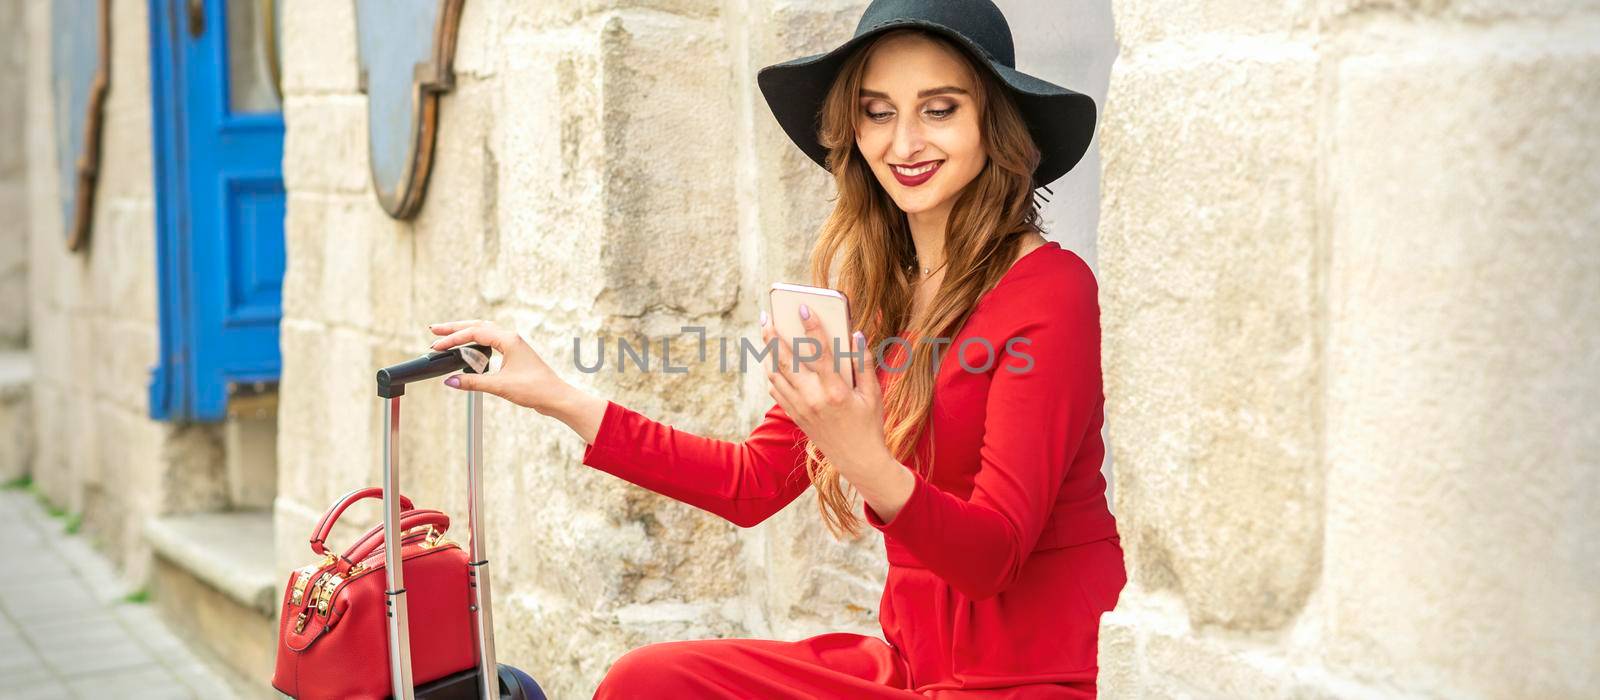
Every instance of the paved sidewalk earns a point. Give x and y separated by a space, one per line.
66 630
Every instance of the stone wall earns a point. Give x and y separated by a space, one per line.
13 178
92 318
16 370
1352 306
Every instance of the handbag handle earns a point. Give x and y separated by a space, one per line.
370 542
406 523
324 526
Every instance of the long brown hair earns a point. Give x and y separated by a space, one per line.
868 241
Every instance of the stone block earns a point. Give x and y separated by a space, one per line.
571 646
306 225
670 224
193 478
125 162
292 524
455 238
115 506
573 12
14 280
16 415
130 52
1121 668
49 453
302 410
325 144
478 47
47 329
1210 298
126 170
242 637
788 191
348 264
351 264
794 28
13 81
122 275
545 229
1475 10
1463 316
69 276
251 445
329 413
125 165
1149 649
817 584
228 552
120 377
1146 22
392 289
319 48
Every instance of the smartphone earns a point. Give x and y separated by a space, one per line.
830 306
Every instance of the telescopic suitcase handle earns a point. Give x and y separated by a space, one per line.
392 381
472 359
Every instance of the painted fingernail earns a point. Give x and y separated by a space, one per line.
453 382
805 313
763 318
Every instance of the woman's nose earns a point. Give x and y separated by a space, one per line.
908 140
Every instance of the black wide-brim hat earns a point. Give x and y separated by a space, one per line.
1061 121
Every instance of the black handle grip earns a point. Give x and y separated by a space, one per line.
392 380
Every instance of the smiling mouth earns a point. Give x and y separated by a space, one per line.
917 173
916 168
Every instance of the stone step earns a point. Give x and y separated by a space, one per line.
213 578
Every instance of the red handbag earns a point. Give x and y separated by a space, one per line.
333 630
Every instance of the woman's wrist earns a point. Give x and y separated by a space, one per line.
579 409
887 487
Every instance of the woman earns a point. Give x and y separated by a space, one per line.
982 471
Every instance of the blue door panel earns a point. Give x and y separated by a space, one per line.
220 208
254 251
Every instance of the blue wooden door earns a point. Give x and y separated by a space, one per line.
218 126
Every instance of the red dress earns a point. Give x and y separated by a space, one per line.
1000 564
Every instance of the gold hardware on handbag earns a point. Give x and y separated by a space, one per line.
302 578
325 596
432 539
316 588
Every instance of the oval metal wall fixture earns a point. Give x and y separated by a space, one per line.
406 49
80 58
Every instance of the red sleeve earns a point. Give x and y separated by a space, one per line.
744 483
1035 422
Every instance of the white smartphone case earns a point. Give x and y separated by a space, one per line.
829 305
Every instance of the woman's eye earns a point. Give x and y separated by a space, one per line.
935 113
